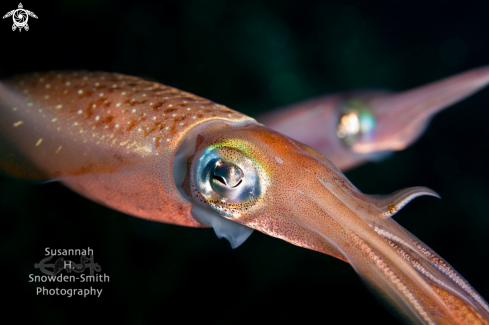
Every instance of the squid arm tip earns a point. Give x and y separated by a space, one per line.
390 204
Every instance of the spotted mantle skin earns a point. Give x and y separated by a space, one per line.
108 136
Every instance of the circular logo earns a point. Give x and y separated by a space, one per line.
20 17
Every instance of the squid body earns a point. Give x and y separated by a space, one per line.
159 153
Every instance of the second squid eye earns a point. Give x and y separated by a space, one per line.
355 123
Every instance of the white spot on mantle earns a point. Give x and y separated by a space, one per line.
280 161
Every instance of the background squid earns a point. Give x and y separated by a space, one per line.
158 153
355 127
252 56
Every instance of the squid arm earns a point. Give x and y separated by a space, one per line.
354 127
162 154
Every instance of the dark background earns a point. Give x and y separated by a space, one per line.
251 56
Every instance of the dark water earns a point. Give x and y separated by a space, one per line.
251 56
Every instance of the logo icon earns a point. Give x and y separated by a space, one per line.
86 262
20 17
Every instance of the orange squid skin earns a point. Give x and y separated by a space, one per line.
108 136
113 138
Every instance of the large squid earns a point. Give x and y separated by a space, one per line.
162 154
354 127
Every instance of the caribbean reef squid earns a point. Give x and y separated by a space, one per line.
162 154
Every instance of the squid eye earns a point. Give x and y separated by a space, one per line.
355 123
226 174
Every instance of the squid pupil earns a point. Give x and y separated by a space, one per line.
229 175
223 181
219 178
